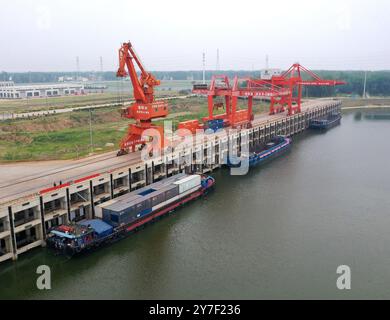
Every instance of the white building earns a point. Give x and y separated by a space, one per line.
267 74
4 84
41 90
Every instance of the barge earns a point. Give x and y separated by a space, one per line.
123 215
332 120
262 153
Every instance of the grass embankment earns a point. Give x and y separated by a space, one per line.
67 136
64 136
370 102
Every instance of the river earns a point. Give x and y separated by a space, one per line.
279 232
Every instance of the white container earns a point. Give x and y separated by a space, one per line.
188 183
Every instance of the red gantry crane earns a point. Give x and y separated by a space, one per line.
145 108
293 81
220 87
284 91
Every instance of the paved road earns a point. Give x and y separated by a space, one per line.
23 179
42 113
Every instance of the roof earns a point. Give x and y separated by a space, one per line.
186 179
70 231
63 234
48 86
130 199
98 225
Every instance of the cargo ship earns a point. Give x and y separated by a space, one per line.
121 216
259 154
326 123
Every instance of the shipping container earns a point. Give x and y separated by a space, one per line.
158 198
134 205
171 192
188 183
101 228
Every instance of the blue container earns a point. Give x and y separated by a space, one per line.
101 228
215 124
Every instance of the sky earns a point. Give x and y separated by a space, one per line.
48 35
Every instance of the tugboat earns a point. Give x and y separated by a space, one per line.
119 217
326 123
261 153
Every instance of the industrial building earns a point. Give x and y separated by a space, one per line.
4 84
8 90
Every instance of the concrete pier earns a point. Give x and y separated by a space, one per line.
30 204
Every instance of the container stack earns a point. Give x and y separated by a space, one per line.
137 204
215 124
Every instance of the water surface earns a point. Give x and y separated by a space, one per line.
280 232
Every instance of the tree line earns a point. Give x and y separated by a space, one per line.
378 82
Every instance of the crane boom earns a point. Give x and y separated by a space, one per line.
144 86
145 108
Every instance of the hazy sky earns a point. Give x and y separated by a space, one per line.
47 35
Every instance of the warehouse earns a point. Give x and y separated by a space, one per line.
10 91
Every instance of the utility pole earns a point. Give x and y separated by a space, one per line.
77 67
365 85
204 67
101 68
217 66
90 129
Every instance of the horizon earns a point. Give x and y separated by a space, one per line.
199 70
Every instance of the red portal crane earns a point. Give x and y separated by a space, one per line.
145 108
293 81
220 87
